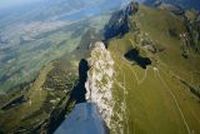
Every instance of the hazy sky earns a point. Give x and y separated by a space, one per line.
9 3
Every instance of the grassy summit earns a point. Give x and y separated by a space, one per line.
155 99
145 82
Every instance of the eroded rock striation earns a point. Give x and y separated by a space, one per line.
118 24
100 80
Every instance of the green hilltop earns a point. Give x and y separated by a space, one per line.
164 97
155 84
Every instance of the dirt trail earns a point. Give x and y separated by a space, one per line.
175 100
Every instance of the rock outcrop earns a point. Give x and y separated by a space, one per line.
100 80
118 24
177 10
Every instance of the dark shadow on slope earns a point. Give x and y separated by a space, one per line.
194 90
133 55
14 102
77 94
79 91
91 122
118 24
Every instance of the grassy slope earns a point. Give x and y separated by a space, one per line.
10 121
39 56
157 23
155 101
39 106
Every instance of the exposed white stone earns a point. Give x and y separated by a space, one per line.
100 80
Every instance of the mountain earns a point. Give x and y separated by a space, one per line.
38 57
187 4
137 64
163 95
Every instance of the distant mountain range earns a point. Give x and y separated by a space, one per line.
187 4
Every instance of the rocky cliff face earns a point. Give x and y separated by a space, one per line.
100 80
118 24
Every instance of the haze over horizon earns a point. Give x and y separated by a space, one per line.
10 3
115 66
